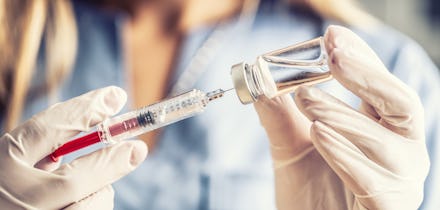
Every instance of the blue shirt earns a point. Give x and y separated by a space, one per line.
220 159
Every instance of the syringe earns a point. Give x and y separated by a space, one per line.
143 120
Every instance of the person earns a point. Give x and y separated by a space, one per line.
221 161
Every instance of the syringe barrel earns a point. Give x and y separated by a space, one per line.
151 117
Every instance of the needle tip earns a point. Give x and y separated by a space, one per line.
217 93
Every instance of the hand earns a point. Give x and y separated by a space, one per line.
374 158
29 181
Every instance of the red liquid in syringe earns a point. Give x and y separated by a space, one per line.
123 127
93 138
76 144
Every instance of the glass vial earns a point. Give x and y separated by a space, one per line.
281 71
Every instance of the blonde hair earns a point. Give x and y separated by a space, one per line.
23 23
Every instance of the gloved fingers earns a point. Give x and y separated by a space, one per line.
287 128
46 131
102 200
359 174
355 65
377 143
369 111
92 172
371 184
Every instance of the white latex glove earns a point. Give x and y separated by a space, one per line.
374 158
28 181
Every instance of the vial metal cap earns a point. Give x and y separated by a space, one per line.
239 74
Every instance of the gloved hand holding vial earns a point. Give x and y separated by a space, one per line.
327 155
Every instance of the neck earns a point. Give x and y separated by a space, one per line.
181 16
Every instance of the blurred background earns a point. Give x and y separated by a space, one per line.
419 19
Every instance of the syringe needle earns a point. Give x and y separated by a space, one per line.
216 93
227 90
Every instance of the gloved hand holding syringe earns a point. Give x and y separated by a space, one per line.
274 73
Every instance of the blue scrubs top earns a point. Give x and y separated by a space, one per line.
220 159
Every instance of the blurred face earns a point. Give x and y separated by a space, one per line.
179 15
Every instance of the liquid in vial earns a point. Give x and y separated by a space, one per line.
282 71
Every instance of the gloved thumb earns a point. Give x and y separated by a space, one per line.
385 98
